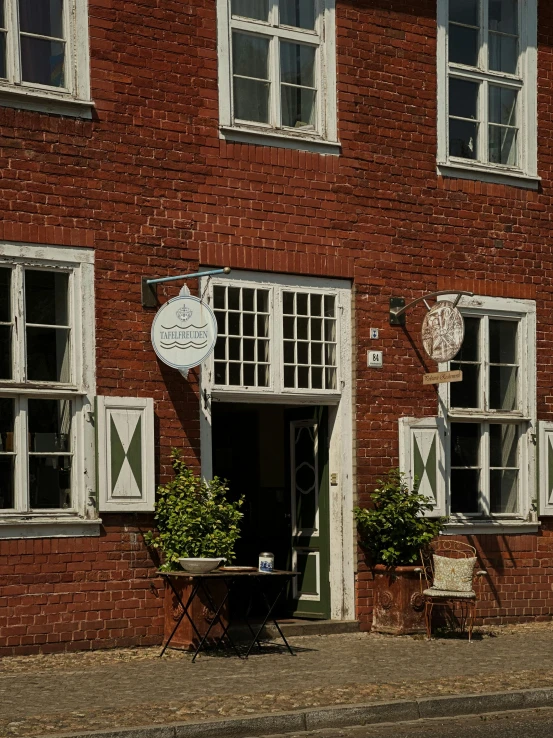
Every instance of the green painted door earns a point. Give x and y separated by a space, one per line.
310 555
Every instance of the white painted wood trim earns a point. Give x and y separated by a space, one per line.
545 499
144 405
407 426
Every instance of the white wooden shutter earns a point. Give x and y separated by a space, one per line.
125 454
422 455
545 450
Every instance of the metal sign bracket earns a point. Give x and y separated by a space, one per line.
149 286
398 308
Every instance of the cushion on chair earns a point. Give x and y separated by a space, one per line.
453 575
432 592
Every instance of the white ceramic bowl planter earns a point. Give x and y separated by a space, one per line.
200 566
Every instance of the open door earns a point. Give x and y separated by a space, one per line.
310 555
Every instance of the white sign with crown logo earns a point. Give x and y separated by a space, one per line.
184 332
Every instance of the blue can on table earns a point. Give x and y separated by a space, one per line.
266 562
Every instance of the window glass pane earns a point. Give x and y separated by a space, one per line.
297 64
257 9
6 482
48 355
6 352
503 445
46 298
298 107
301 303
503 53
251 100
233 298
503 16
41 17
7 417
504 491
465 394
465 444
2 14
5 296
250 55
469 349
49 425
42 61
297 13
503 387
3 55
463 98
503 341
316 302
503 145
464 11
218 297
248 300
503 102
463 45
463 139
50 482
465 490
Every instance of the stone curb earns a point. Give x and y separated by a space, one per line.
340 716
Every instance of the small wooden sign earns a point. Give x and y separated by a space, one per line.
442 377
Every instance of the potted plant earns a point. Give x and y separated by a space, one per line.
195 521
393 531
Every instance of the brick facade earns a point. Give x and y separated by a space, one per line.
149 184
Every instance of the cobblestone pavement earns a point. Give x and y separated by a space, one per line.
41 695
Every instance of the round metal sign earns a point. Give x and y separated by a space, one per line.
184 332
443 330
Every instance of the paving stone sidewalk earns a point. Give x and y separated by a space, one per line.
42 695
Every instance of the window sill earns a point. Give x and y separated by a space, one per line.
42 101
228 394
491 527
35 526
269 138
488 174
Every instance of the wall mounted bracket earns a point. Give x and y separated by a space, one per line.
149 286
398 308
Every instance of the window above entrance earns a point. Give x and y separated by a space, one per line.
282 335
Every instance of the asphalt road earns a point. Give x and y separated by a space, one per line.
516 724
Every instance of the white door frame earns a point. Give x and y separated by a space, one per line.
340 420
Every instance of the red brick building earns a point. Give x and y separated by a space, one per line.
334 157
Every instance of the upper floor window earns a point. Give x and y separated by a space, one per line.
487 85
277 67
44 53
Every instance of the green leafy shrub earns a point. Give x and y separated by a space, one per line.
395 530
194 518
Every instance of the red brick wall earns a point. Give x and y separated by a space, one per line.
152 188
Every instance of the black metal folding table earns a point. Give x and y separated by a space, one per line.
258 583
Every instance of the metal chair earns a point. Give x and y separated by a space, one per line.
451 595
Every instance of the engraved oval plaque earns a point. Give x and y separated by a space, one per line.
443 330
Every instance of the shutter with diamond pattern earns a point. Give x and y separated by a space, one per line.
422 455
125 447
545 451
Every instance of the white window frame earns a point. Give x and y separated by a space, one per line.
74 98
276 284
526 174
324 137
524 312
81 518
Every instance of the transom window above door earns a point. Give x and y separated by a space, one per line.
276 67
487 85
279 337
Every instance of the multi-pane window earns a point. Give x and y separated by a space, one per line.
276 337
43 46
487 418
42 386
278 66
489 82
309 334
242 348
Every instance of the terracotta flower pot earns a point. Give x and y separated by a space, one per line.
200 611
398 602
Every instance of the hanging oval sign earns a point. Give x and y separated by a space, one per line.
443 330
184 332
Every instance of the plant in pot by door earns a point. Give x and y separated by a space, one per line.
393 532
197 528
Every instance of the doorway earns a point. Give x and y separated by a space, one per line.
277 457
